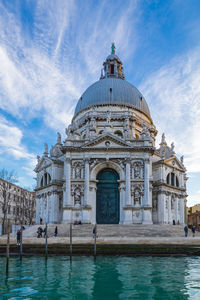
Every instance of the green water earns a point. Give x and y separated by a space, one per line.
106 278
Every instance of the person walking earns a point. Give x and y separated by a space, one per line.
186 230
45 232
18 237
56 231
193 230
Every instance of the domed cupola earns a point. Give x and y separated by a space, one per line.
112 66
112 89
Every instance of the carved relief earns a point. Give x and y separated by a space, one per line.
137 193
93 162
77 192
119 161
138 170
77 169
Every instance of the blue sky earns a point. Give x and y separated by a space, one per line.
51 51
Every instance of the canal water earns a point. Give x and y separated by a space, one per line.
106 278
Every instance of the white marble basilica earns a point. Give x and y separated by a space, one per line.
107 170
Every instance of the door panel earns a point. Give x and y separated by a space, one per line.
107 198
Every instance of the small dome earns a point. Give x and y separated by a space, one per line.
112 91
112 57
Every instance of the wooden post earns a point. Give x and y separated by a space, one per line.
95 240
8 248
70 247
21 240
46 244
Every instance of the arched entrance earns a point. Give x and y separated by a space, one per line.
107 209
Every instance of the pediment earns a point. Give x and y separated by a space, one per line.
43 163
174 162
106 141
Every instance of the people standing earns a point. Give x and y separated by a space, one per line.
45 232
186 230
94 232
56 231
18 237
193 230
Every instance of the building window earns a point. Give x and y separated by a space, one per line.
118 133
112 69
172 179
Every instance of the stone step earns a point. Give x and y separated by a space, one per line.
135 230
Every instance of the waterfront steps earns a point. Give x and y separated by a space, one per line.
128 231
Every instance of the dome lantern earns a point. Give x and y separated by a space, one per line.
112 67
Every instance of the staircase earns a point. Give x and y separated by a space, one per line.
134 230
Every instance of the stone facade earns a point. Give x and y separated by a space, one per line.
111 129
16 205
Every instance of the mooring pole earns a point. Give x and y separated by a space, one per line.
21 240
46 244
70 247
95 240
8 248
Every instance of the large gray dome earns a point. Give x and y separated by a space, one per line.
112 91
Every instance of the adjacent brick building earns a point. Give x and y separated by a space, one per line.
16 204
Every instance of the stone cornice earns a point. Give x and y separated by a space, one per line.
168 186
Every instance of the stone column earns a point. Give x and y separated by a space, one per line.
146 183
176 210
122 204
67 199
147 207
161 207
182 211
128 183
133 129
170 178
86 182
169 210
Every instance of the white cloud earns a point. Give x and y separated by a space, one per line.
11 142
49 73
173 93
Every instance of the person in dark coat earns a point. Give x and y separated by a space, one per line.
18 237
186 230
56 231
94 232
193 230
45 232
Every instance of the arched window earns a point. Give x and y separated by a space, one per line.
45 179
49 178
111 69
172 179
118 133
168 178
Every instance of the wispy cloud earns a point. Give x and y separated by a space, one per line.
11 141
41 72
173 93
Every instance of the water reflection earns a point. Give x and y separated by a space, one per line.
106 278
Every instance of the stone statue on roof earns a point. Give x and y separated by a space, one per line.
113 48
58 138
